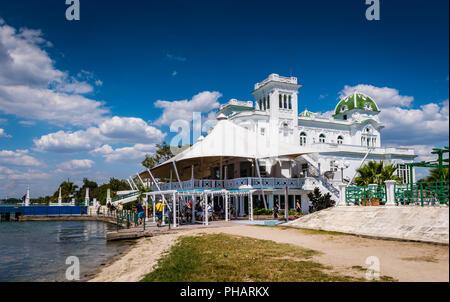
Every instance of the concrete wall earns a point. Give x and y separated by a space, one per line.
425 224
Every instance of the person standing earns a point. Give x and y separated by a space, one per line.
276 208
140 212
298 207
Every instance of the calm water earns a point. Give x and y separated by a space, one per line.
37 250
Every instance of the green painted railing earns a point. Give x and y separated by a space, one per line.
365 195
422 192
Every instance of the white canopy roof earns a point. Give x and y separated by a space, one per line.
228 140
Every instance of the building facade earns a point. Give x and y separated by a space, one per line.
343 140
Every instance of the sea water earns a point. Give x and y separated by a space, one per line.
37 250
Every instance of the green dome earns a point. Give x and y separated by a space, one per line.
356 101
307 113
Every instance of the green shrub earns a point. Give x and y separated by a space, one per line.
262 211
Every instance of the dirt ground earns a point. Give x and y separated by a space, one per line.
346 254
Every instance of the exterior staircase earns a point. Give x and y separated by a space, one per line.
322 183
125 198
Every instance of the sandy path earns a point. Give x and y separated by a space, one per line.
424 262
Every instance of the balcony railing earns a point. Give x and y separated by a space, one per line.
234 184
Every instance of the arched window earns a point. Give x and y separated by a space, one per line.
303 139
343 108
367 106
322 138
285 102
280 105
290 103
340 140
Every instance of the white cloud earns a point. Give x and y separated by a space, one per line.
27 123
127 154
46 104
114 130
203 102
77 164
174 73
427 125
18 158
31 87
68 142
404 125
176 58
3 134
18 175
384 96
130 130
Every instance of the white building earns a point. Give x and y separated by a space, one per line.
351 133
307 150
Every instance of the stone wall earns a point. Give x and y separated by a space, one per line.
415 223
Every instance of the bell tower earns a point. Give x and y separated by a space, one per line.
277 96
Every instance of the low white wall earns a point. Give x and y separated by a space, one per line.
426 224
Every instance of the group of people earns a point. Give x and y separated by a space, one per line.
276 207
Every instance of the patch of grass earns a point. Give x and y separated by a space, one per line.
387 279
422 259
359 268
322 232
302 230
227 258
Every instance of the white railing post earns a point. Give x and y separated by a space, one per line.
226 207
390 194
342 198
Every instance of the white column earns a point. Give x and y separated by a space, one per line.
205 210
270 201
174 210
154 209
241 206
226 207
193 208
108 196
286 203
163 213
27 197
390 195
86 199
305 203
342 199
146 208
250 205
59 198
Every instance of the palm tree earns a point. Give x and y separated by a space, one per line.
67 189
376 173
434 175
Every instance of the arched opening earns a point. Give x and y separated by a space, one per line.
303 139
322 138
340 140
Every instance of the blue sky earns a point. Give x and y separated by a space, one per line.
136 65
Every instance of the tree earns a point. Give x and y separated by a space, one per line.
162 154
319 201
67 188
376 173
434 175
